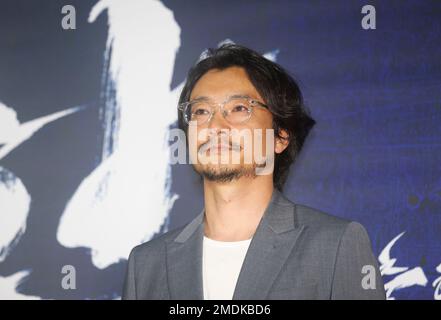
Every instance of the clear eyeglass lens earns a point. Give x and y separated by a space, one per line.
199 112
235 111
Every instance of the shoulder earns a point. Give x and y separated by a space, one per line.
324 221
156 246
325 226
310 217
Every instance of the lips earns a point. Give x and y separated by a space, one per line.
218 148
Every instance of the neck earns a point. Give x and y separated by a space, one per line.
233 210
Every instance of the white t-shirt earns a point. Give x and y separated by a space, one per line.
221 264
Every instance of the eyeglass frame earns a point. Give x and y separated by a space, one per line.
253 102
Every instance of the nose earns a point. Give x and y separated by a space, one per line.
217 121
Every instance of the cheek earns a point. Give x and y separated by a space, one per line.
264 123
263 120
197 135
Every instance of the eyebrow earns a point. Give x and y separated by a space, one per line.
236 95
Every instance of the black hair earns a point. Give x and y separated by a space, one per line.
280 91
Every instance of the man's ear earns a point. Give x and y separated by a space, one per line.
282 141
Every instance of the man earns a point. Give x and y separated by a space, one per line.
249 241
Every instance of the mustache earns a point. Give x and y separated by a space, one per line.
214 143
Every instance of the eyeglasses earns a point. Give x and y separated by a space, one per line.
235 109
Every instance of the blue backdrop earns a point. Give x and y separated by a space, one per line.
68 99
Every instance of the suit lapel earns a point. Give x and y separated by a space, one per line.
184 262
272 243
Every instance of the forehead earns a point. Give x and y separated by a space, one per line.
218 84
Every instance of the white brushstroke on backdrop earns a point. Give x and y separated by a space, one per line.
437 285
387 266
404 277
14 198
126 199
9 286
15 201
13 133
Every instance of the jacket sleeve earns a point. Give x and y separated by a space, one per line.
356 272
129 288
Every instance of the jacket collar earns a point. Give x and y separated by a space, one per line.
273 241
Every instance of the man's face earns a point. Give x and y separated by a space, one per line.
218 138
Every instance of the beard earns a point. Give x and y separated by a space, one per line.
221 172
224 174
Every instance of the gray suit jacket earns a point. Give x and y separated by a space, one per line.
296 253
